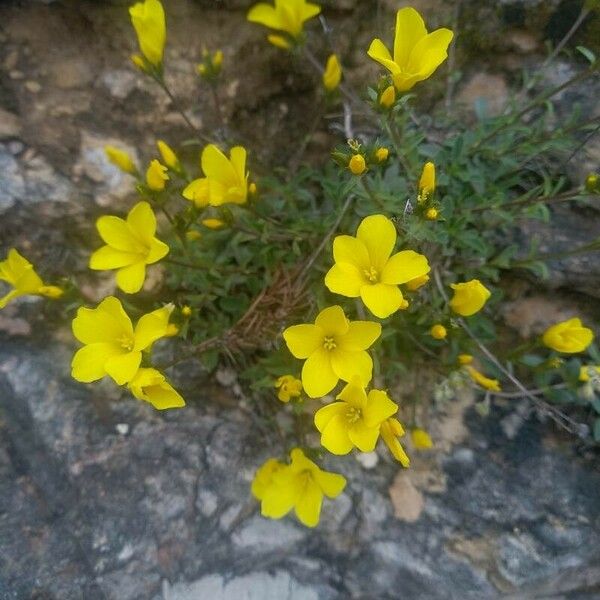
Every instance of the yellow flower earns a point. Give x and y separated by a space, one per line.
226 179
112 346
120 159
431 214
357 164
169 157
286 15
19 273
289 387
388 97
334 349
587 370
151 385
355 421
332 74
438 332
414 284
569 336
417 54
130 246
485 382
469 297
382 154
264 477
465 359
421 440
213 223
299 486
156 175
148 19
427 182
363 266
391 430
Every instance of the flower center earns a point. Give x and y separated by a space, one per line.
371 274
329 343
353 414
126 342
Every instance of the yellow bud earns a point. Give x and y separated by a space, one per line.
171 330
51 291
120 159
156 175
465 359
213 223
217 59
388 97
421 439
438 332
415 284
192 235
253 189
138 62
404 304
427 181
357 164
169 157
591 183
186 311
332 74
431 214
279 41
382 154
201 69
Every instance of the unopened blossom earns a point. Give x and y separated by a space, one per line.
492 385
156 176
332 74
120 159
417 54
131 244
20 275
365 267
391 429
357 164
432 214
469 297
287 16
334 349
414 284
225 179
420 439
354 421
168 155
212 223
186 311
300 486
148 19
288 387
427 182
381 154
465 359
388 97
113 346
569 336
152 386
438 331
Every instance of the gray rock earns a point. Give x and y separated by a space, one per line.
267 535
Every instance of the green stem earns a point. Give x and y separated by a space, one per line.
372 195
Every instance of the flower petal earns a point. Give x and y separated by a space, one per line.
410 28
123 367
348 249
429 53
318 377
381 299
378 234
344 279
380 407
107 258
325 414
303 340
335 436
332 321
347 365
108 322
308 505
378 52
363 437
130 279
264 14
403 267
142 222
332 484
361 335
88 363
157 251
115 232
216 165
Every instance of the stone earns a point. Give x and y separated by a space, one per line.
70 73
406 499
33 86
10 125
267 535
119 82
487 89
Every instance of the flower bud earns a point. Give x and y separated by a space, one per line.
388 97
357 164
382 154
438 332
432 214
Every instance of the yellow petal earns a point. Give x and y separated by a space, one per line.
279 498
264 477
318 377
363 437
115 232
360 335
142 222
198 192
354 394
332 321
332 484
107 323
151 385
151 327
421 439
348 249
89 362
148 19
380 407
410 28
308 505
123 367
378 52
325 414
157 251
429 53
238 161
264 14
381 299
131 278
347 365
303 340
8 297
107 257
404 266
216 165
344 279
378 234
335 436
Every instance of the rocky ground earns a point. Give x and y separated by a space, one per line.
101 497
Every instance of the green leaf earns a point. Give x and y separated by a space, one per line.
589 55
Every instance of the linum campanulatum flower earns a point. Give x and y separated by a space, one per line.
417 54
130 246
365 267
568 336
469 297
334 349
113 346
300 485
148 19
